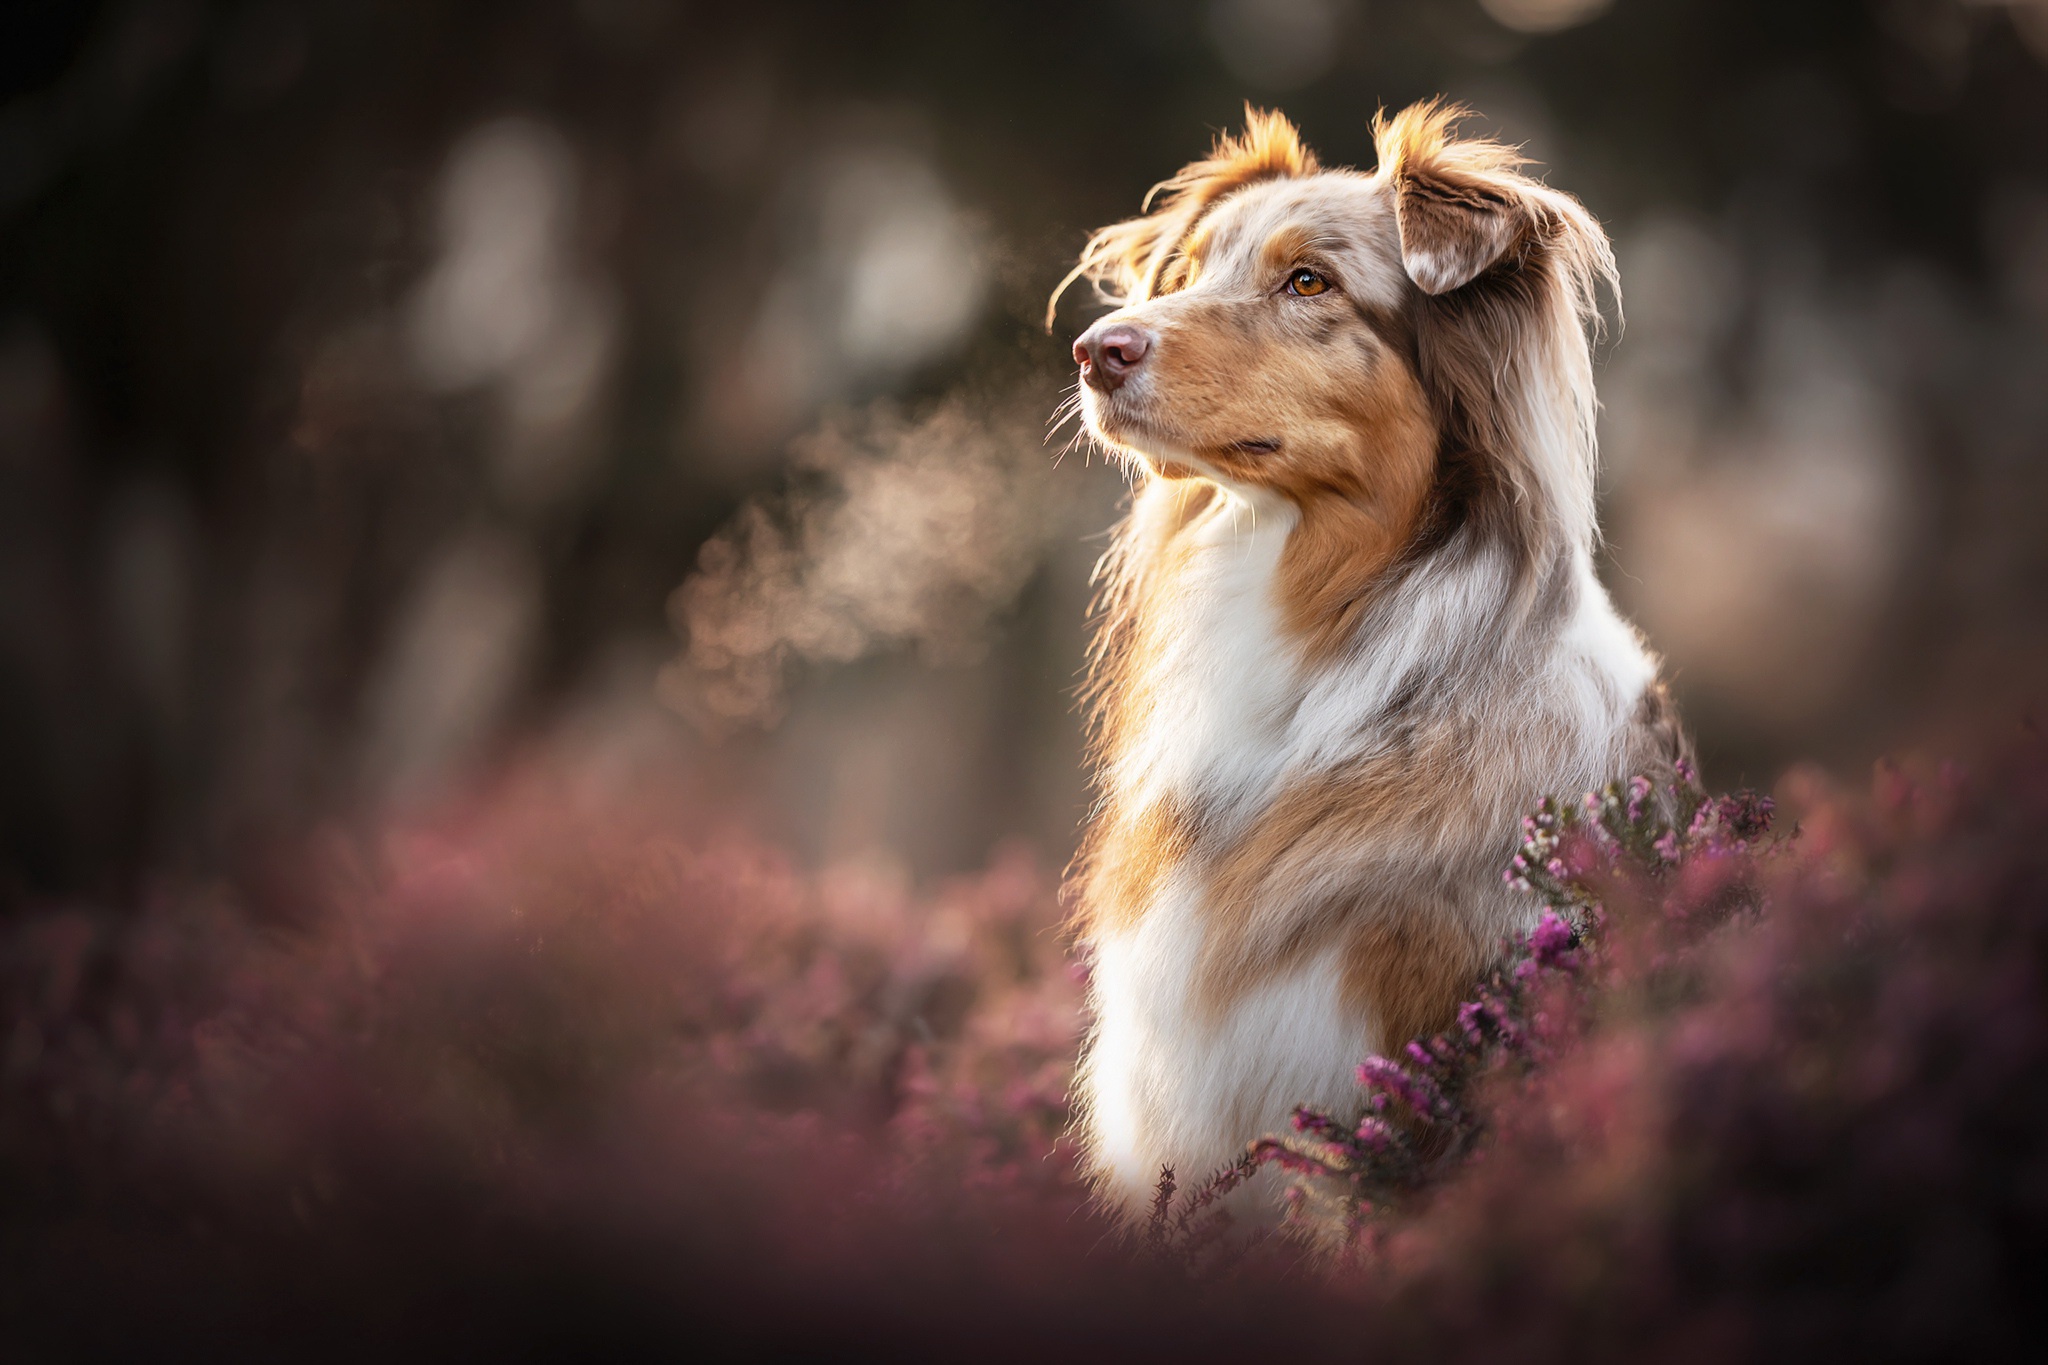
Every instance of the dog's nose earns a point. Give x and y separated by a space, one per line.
1110 355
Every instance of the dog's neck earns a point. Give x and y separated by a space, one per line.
1210 678
1222 679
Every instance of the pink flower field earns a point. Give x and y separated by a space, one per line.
1753 1088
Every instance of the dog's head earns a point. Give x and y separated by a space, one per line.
1331 333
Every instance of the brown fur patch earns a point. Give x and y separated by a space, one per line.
1355 523
1409 968
1290 885
1133 858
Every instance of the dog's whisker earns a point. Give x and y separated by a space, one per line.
1055 432
1083 438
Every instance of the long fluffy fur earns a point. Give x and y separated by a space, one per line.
1350 632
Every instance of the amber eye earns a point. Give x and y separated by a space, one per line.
1305 283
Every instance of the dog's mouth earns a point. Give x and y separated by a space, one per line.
1169 451
1132 430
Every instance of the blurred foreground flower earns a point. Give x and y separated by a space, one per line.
547 1076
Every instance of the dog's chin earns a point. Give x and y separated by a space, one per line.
1171 466
1166 461
1141 444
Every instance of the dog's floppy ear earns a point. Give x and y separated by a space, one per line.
1451 232
1456 203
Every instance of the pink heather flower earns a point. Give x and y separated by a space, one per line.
1552 940
1747 814
1287 1158
1374 1135
1307 1120
1388 1077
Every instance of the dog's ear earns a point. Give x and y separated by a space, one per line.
1456 203
1452 232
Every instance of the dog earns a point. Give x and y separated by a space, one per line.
1350 632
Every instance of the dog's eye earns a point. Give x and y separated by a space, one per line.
1303 283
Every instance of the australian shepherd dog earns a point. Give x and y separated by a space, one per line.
1350 632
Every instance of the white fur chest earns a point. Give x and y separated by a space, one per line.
1224 683
1167 1082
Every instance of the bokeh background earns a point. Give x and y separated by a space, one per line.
540 616
389 388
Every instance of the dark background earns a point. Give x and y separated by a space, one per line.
371 375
